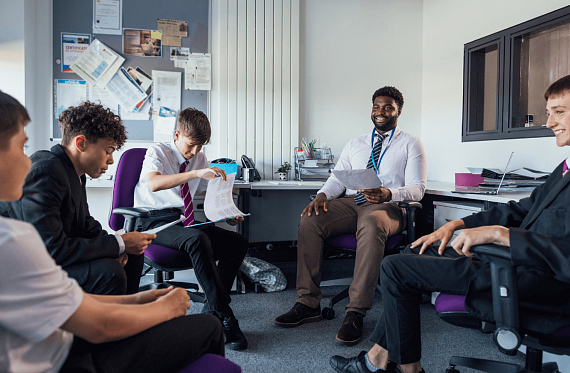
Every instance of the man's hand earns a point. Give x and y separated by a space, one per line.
136 242
443 234
123 259
494 234
210 173
377 195
320 200
177 302
235 221
151 295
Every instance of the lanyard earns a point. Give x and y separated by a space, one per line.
384 152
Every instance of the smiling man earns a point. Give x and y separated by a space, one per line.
399 160
55 202
172 173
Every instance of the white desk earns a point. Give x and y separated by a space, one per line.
505 195
286 185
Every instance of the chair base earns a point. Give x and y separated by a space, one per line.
498 366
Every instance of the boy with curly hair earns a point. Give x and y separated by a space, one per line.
55 202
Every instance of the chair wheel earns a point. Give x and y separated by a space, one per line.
328 313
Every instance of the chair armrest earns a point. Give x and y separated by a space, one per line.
137 212
505 296
410 207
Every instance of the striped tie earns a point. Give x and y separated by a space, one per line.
187 197
565 170
359 198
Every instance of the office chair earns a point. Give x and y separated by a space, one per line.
164 260
347 243
514 324
212 364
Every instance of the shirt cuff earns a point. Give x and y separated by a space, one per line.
396 197
120 242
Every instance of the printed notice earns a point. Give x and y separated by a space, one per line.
72 46
97 64
173 31
108 17
219 202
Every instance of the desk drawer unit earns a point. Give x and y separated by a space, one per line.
447 211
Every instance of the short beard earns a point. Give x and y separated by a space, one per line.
389 125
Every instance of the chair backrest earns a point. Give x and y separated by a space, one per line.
126 178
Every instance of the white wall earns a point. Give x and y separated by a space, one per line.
12 74
348 50
447 26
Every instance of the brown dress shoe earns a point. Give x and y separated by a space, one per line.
299 314
350 332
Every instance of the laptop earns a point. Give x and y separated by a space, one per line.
484 190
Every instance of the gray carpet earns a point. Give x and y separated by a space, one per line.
309 347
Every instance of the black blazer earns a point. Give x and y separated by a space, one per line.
55 202
539 245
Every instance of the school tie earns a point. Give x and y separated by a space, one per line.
359 197
565 170
187 197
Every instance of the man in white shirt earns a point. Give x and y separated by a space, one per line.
170 168
400 162
48 324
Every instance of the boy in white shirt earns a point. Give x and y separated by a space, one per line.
48 324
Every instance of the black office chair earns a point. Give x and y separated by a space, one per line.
347 243
514 324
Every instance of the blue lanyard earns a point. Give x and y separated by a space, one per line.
384 152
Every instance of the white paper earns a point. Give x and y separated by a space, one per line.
162 227
108 17
358 179
72 46
142 114
97 64
167 91
127 92
68 93
197 71
164 129
219 202
103 96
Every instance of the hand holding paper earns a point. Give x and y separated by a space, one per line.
358 179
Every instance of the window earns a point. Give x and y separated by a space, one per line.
506 74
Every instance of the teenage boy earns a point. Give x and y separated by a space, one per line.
48 324
170 176
535 230
55 202
373 215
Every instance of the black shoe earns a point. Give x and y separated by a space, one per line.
350 332
299 314
235 340
356 364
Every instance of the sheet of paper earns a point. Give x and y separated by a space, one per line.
358 179
108 17
167 91
219 202
216 221
104 97
97 64
142 42
68 93
162 227
198 72
142 114
172 27
179 54
72 46
164 125
125 90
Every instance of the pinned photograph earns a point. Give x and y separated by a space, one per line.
146 43
179 54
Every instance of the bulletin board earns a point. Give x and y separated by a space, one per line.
73 16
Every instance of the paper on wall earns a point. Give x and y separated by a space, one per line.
172 31
167 91
72 46
142 114
198 72
98 64
68 93
125 90
108 17
164 125
102 96
219 202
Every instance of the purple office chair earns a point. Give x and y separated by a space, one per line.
347 242
514 324
123 215
212 364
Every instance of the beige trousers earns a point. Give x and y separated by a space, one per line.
372 223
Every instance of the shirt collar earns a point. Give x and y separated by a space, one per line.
179 157
396 132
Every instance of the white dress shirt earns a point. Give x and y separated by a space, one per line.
165 158
403 169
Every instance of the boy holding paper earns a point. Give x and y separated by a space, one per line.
170 176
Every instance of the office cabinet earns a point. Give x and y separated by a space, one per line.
446 211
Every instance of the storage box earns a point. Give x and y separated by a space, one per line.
228 168
468 179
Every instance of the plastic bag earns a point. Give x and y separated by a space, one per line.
266 274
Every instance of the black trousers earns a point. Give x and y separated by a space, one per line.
106 276
404 278
165 348
205 245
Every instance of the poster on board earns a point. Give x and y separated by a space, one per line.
146 43
72 45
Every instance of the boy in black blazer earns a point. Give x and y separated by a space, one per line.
55 202
535 231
